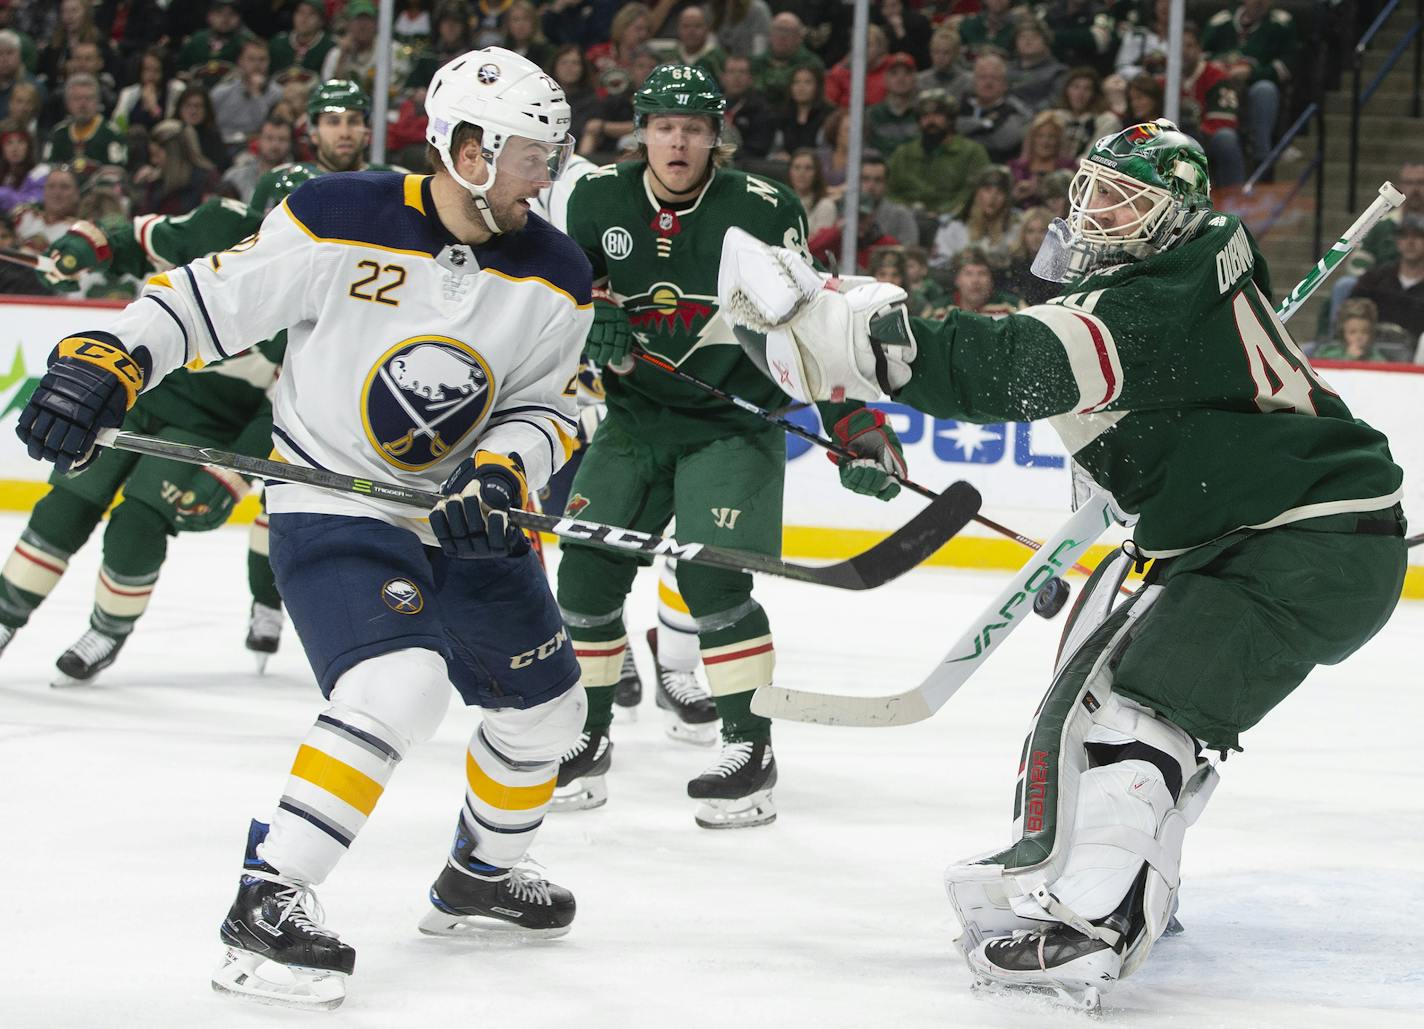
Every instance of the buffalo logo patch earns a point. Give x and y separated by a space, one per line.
403 597
423 397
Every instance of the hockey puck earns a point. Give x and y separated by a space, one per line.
1050 600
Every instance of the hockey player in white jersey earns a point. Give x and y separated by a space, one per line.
434 332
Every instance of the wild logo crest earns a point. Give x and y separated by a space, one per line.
665 313
425 395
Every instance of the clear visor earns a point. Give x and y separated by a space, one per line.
693 131
532 160
1105 207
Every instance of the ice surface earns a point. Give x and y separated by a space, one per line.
124 808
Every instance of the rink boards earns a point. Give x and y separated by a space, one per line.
1021 469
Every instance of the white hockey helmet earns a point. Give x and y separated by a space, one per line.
511 99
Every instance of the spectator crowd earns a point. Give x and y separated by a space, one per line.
977 110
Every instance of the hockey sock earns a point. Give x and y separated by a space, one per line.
738 722
505 799
260 579
677 629
600 664
135 545
738 659
38 562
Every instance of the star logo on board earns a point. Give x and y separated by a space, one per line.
970 438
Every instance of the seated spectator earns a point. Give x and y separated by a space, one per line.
1143 50
1035 77
1053 192
989 31
613 119
83 139
877 59
887 264
1144 99
1019 278
25 101
697 46
585 22
353 57
896 219
83 59
74 26
786 54
748 115
1209 105
273 148
989 115
195 109
38 226
1083 33
825 246
152 98
1259 44
1397 288
1042 155
803 175
305 47
242 101
20 181
934 173
523 34
571 70
12 69
1359 318
452 33
907 31
631 29
928 299
177 177
988 223
743 27
799 121
1378 246
210 54
947 70
833 148
412 24
892 121
1084 112
974 289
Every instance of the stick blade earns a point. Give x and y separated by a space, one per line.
825 709
910 545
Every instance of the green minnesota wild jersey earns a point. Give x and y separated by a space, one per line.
1172 381
661 265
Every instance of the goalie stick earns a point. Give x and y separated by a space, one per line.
893 556
974 647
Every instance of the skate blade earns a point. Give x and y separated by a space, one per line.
742 813
483 927
259 659
253 977
698 735
61 681
581 795
1086 1000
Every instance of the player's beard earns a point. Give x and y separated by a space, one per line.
338 163
508 214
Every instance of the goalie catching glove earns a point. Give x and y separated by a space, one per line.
91 383
816 336
879 460
473 519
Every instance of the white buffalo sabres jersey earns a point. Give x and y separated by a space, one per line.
407 351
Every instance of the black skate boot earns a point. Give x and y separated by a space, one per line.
264 633
470 897
736 791
81 664
1056 961
581 784
629 690
692 717
277 950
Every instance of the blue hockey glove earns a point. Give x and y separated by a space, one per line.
473 519
610 340
91 384
879 454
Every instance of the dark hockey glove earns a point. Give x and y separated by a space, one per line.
610 340
473 519
209 499
879 454
91 384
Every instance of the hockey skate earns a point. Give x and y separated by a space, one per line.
264 633
691 715
81 664
736 791
6 635
470 898
277 950
582 771
1054 961
628 693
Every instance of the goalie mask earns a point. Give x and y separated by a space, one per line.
1137 192
522 113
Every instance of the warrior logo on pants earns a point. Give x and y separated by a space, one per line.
423 397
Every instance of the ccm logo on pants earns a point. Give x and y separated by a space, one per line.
540 652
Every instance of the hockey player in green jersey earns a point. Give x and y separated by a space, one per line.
1269 515
653 229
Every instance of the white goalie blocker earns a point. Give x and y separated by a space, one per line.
1105 821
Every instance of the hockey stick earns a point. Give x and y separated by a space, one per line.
42 263
1003 614
818 440
893 556
972 649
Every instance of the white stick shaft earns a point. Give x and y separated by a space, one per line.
1389 198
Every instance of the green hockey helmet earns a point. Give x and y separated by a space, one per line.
337 95
1136 193
277 185
678 89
